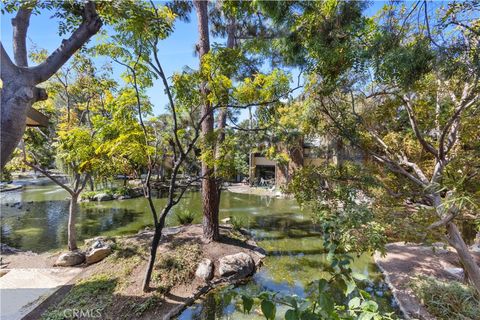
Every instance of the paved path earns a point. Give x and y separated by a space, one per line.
21 290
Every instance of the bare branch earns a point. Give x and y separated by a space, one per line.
413 123
20 26
90 25
51 177
452 126
7 68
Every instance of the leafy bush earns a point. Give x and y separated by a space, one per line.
238 223
447 299
88 195
185 217
123 191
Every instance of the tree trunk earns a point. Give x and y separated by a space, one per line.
14 117
19 81
151 261
72 219
92 185
209 185
472 270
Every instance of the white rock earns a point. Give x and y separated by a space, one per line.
102 197
225 220
94 255
475 247
238 265
205 270
455 272
69 259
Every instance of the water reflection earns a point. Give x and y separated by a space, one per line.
36 219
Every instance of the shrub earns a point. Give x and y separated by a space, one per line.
238 223
88 195
447 299
185 217
123 191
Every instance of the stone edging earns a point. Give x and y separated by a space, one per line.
392 288
218 282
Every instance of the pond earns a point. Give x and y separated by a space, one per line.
35 219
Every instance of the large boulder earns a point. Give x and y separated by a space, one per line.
238 265
205 270
98 251
69 259
102 197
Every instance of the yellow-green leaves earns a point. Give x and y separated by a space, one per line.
263 88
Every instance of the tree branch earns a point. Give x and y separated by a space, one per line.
90 25
20 27
413 123
47 174
7 68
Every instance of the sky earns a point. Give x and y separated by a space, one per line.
175 52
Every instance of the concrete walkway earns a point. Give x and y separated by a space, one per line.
21 290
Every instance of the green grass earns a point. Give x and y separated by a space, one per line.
450 300
95 292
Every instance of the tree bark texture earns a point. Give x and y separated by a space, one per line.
72 220
209 185
19 90
472 270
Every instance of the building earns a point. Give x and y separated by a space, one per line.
322 150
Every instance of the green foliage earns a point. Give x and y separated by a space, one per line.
447 300
185 216
149 303
320 304
238 222
123 191
342 210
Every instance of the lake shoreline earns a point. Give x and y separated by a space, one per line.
405 263
126 265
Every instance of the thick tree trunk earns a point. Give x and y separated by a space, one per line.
72 220
209 185
472 270
14 117
19 92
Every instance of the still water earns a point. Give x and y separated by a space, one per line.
35 219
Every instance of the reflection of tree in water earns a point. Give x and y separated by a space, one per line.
92 221
38 226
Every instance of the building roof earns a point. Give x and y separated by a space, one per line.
36 119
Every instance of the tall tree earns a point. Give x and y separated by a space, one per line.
209 183
19 81
73 139
400 89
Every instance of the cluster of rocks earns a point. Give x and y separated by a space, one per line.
231 267
97 250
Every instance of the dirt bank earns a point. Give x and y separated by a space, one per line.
113 286
405 262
